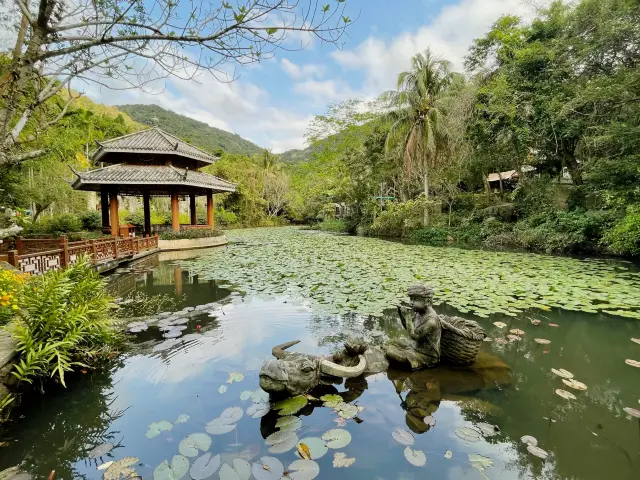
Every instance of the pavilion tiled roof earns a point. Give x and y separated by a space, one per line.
151 141
155 176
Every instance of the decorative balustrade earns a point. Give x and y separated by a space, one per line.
59 253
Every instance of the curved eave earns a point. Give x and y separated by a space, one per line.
99 155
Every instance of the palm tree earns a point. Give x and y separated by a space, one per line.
414 114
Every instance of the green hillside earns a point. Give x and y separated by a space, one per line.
199 133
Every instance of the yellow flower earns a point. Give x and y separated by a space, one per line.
14 306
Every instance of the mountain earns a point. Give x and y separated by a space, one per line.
296 155
198 133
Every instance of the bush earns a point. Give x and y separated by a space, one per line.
431 236
63 322
91 221
332 225
224 217
401 218
624 237
11 284
56 225
189 234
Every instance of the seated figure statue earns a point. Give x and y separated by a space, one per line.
421 349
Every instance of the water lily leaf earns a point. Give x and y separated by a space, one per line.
190 445
103 466
340 460
404 437
573 383
260 396
286 445
430 421
480 462
121 468
634 412
448 454
331 401
561 372
468 434
100 450
215 429
416 458
317 447
289 423
347 410
500 341
258 410
636 340
633 363
292 405
565 394
487 429
500 324
178 468
184 418
542 341
529 440
516 331
303 470
157 427
554 325
235 377
241 470
514 338
222 388
537 451
337 438
536 322
279 436
246 395
268 468
204 466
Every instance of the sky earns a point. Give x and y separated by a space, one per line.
272 103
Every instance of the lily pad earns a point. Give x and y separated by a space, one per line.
331 401
246 395
500 324
290 406
537 451
633 363
222 388
403 436
289 423
279 436
235 377
529 440
184 418
636 340
542 341
448 454
487 429
260 396
514 338
178 468
158 427
561 372
258 410
229 415
416 458
573 383
268 468
337 438
303 470
121 468
190 445
468 434
634 412
480 462
347 410
516 331
204 466
317 447
100 450
286 445
565 394
103 466
241 470
215 429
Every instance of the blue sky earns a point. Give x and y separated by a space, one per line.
272 103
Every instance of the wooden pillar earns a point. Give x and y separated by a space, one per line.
177 278
104 207
113 217
192 208
175 212
210 210
146 199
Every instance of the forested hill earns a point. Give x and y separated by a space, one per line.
199 133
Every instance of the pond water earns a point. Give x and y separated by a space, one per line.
278 285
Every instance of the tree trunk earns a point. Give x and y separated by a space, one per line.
574 168
425 182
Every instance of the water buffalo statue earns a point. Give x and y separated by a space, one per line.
296 373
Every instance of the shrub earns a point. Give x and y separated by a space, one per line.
431 236
58 224
139 304
624 237
401 218
63 322
91 221
189 234
332 225
224 217
11 284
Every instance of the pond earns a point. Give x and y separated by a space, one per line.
175 399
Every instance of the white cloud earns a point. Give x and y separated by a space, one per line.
304 71
324 91
449 35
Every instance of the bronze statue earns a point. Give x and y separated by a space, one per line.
421 349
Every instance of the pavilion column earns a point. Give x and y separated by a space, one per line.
104 208
146 202
114 219
192 209
210 210
175 212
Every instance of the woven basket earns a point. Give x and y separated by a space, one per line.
461 340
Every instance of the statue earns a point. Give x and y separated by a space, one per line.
422 348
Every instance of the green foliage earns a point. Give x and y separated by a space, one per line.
332 225
190 233
399 219
58 224
431 236
64 322
224 217
138 303
624 237
91 221
11 285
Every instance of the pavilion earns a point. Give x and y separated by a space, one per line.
151 163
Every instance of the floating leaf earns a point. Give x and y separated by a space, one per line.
246 395
633 363
303 451
204 466
279 437
260 396
529 440
537 451
340 460
468 434
500 324
514 338
487 429
184 418
235 377
105 465
291 405
554 325
565 394
561 372
241 470
636 340
346 410
536 322
289 423
337 438
178 468
100 450
331 401
572 383
500 341
516 331
258 410
215 429
448 454
122 468
430 421
303 470
286 445
268 468
190 445
228 416
416 458
222 389
480 462
403 437
542 341
157 427
317 447
632 411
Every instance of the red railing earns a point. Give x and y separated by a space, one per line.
66 253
